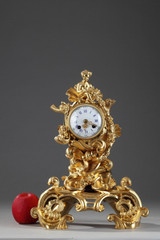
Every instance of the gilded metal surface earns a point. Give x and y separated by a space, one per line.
90 181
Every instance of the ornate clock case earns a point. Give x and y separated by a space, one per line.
90 132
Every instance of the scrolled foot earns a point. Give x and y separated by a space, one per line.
118 222
51 216
128 208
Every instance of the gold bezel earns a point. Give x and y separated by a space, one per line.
67 120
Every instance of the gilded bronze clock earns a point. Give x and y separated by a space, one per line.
89 132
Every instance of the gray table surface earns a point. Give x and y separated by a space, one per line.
87 225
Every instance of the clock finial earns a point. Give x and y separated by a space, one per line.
86 75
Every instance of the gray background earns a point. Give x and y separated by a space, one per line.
44 45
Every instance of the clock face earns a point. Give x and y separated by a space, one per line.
85 121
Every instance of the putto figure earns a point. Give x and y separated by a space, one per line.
90 132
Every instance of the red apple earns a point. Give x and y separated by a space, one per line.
22 206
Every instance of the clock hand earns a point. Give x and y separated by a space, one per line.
86 122
92 124
85 125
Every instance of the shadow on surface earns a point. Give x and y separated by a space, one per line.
86 227
98 227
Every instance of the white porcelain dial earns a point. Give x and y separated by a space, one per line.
85 121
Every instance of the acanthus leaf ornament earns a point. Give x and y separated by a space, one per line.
90 132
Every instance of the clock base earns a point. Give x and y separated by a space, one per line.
56 202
